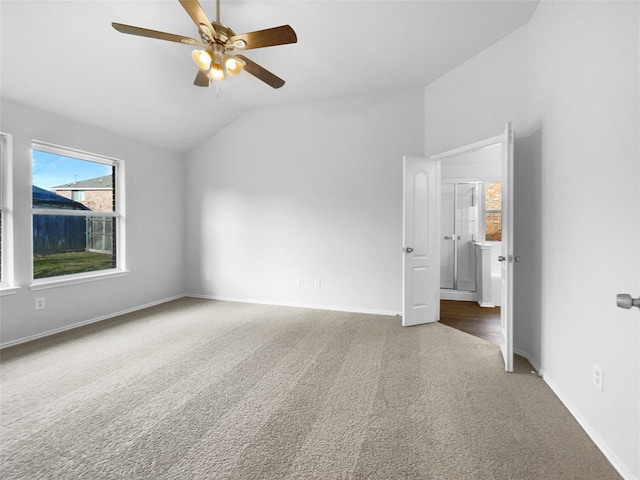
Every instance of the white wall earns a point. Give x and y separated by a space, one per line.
484 165
584 86
155 229
471 103
474 101
569 82
309 191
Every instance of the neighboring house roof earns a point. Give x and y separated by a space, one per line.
89 184
45 199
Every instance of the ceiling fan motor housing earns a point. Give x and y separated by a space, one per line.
223 33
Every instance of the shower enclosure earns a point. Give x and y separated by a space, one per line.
459 216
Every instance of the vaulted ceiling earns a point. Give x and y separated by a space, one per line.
64 57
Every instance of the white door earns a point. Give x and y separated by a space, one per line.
507 256
421 255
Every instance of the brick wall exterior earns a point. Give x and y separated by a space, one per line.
493 221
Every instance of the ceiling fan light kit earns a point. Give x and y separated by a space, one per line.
216 60
232 66
202 59
216 72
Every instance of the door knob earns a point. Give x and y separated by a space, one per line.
408 250
501 258
624 300
448 237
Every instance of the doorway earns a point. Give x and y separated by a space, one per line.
465 161
421 229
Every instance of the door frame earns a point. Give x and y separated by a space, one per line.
506 139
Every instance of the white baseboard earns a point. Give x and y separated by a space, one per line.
298 305
486 304
601 444
593 434
87 322
458 295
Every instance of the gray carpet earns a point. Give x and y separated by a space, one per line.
197 389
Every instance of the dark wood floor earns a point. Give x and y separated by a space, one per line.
471 318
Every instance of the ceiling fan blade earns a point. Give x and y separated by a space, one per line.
202 79
265 38
261 73
145 32
195 11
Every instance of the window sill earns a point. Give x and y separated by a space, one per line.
64 281
8 291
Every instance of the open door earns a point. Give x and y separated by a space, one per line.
421 253
507 257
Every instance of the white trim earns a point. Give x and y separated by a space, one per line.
458 295
67 212
88 322
79 154
297 305
6 204
4 291
591 432
586 426
489 142
74 279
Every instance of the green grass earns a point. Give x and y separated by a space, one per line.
57 264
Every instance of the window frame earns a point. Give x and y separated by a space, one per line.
7 279
118 215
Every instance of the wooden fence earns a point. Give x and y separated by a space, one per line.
100 234
62 234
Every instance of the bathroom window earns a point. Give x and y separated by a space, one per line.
493 211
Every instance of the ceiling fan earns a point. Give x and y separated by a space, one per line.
215 57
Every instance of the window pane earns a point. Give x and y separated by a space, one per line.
493 196
63 244
78 195
493 227
72 183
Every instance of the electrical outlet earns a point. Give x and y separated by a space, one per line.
316 283
40 303
297 282
598 378
207 277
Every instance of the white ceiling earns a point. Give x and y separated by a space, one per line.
64 57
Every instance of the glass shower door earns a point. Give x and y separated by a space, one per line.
466 228
447 245
459 217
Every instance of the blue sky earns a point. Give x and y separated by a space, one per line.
50 170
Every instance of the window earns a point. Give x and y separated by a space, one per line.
6 216
77 206
78 195
493 211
